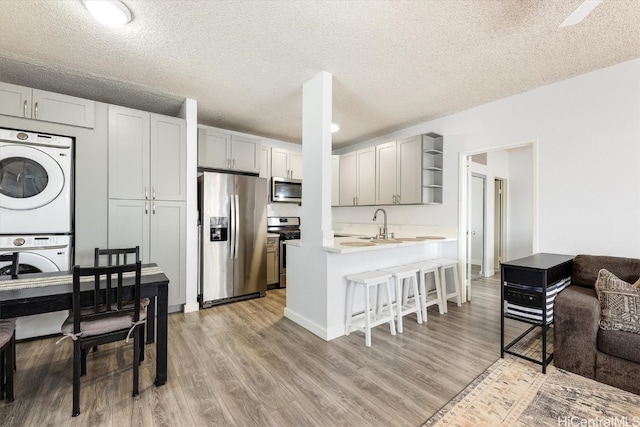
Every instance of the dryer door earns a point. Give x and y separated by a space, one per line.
30 262
29 177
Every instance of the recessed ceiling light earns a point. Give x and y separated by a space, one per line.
334 127
111 13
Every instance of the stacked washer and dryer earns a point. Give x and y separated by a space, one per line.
36 211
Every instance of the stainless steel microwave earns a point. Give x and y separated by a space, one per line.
286 190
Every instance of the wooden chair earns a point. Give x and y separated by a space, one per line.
15 263
103 316
8 338
13 270
7 358
119 257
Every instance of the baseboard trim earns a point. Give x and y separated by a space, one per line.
191 307
312 327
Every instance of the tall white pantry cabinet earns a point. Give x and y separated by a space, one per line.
147 191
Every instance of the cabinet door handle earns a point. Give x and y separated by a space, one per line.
398 199
146 193
153 208
36 110
146 208
393 199
153 193
25 108
234 163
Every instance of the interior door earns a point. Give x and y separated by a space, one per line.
477 219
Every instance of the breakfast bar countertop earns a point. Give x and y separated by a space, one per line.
344 245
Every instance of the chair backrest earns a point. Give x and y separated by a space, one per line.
15 263
111 295
120 256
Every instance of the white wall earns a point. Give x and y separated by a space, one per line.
587 130
520 214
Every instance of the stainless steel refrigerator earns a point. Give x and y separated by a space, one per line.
233 218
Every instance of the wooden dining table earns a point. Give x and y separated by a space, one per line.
49 292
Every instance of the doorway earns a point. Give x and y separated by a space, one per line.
495 227
476 232
499 223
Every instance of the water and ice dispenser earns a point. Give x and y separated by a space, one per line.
219 228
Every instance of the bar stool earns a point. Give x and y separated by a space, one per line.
405 278
424 269
372 316
446 264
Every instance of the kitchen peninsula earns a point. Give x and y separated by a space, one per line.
342 260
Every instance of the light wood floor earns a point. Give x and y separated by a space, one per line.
244 364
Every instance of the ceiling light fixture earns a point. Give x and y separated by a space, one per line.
334 127
581 12
112 13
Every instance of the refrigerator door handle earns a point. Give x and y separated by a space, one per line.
232 226
237 225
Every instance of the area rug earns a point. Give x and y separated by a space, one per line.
515 392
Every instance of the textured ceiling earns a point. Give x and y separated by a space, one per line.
395 63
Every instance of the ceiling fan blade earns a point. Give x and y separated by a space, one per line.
581 12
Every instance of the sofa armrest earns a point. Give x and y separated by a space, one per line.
576 321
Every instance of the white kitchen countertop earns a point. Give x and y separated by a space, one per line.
338 248
354 231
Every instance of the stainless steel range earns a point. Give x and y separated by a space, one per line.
288 227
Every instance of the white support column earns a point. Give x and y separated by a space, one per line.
317 96
307 286
189 112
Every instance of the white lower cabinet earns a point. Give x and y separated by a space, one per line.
158 227
273 261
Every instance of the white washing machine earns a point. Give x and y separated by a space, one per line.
41 253
35 182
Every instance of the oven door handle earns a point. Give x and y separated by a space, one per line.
282 255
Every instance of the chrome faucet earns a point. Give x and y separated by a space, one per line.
384 234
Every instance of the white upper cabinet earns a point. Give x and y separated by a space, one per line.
366 176
348 186
335 180
406 171
286 164
147 155
214 149
409 170
129 149
357 177
295 164
168 165
245 154
265 162
222 150
386 173
20 101
398 172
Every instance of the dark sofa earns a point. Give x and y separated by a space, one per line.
580 345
